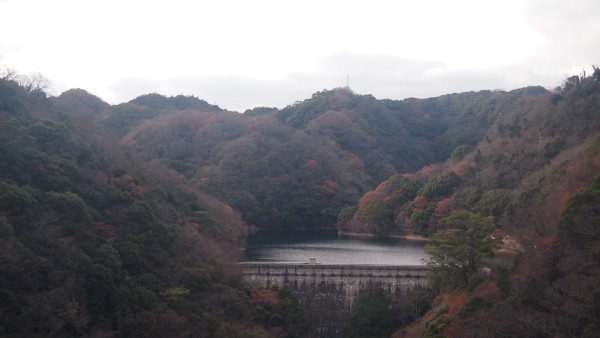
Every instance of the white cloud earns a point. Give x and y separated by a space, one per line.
570 31
243 54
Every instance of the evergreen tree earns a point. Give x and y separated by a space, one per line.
458 251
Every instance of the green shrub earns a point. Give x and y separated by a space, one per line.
552 148
372 316
492 203
402 189
473 305
441 186
460 151
70 206
378 215
346 213
434 327
16 203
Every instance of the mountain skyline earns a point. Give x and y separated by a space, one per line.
241 55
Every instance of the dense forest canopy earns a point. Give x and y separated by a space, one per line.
298 166
124 219
96 242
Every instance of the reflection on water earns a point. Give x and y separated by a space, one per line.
328 248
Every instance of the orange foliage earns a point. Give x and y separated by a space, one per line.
488 289
357 164
458 301
547 243
426 117
252 121
419 202
127 183
235 227
564 199
574 168
330 187
227 210
443 208
365 199
543 255
580 174
580 169
229 215
122 181
210 119
177 176
263 296
430 170
311 164
455 302
464 169
136 190
381 188
104 230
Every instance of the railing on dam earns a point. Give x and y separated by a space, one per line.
350 278
333 270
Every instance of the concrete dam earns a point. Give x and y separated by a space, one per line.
327 293
350 279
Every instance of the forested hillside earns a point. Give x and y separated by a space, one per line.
534 173
97 243
298 166
124 220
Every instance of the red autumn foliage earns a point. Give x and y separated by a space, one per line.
443 208
564 199
365 199
458 301
430 171
263 296
488 289
104 230
330 187
464 169
127 183
454 303
357 164
311 164
419 202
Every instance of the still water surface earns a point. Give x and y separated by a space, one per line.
328 248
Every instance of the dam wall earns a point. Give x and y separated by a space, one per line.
349 278
327 293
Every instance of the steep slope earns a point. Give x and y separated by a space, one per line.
298 166
109 226
534 142
536 171
96 242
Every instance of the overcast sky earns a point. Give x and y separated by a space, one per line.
242 54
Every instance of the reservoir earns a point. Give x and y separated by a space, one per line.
329 248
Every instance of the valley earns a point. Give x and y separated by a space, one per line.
128 219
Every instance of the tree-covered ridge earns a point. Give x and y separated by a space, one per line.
298 166
533 174
95 242
179 102
514 144
122 220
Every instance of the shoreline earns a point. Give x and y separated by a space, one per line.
415 238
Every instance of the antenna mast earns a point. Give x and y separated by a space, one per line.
348 81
